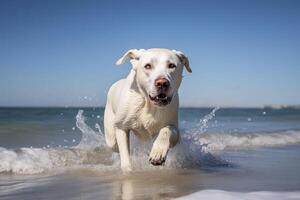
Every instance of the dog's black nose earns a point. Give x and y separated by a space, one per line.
162 84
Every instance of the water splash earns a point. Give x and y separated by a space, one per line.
192 150
203 124
90 138
195 134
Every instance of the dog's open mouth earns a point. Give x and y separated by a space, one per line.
160 99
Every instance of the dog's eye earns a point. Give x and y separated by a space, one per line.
148 66
171 66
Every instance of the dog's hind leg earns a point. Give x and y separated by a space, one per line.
123 144
109 129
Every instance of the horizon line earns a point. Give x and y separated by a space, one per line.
226 107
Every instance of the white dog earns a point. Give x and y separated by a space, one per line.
146 103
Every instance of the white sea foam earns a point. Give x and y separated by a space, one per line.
90 151
224 195
37 160
25 160
215 142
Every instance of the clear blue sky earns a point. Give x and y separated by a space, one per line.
59 53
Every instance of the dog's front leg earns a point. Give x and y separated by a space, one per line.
123 144
167 138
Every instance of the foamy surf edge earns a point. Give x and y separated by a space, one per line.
38 160
221 141
227 195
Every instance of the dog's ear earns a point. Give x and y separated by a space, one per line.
184 60
131 54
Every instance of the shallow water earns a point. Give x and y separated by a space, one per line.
49 153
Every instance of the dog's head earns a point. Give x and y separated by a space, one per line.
158 72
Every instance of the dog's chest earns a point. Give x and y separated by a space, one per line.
149 123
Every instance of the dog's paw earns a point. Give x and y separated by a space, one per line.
126 169
158 155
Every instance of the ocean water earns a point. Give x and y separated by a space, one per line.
60 153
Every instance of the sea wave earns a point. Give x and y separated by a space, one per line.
196 149
38 160
209 142
221 141
91 151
